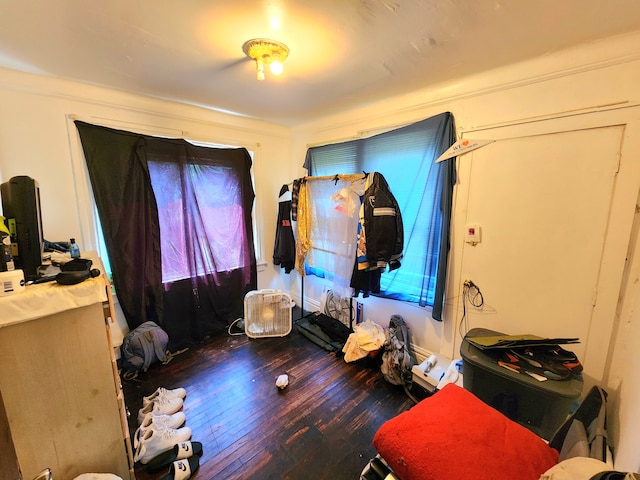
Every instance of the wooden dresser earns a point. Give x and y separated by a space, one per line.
63 403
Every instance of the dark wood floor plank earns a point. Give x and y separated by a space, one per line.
320 427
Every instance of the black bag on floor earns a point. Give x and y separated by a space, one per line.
324 331
337 330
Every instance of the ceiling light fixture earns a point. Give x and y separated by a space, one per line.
266 52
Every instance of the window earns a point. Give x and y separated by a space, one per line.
202 199
212 292
405 157
171 208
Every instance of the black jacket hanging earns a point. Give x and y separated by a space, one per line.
284 251
382 226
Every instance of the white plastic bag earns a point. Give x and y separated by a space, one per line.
367 337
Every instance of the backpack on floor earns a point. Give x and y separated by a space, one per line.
585 431
143 346
397 359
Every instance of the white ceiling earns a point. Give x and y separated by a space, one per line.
344 53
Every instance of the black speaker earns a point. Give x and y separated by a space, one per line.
21 207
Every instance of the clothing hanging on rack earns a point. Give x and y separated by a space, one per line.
305 211
295 193
284 250
379 234
381 216
382 226
343 225
303 239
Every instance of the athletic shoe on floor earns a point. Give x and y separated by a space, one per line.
160 406
158 422
154 442
162 392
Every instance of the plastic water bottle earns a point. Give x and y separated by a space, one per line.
74 249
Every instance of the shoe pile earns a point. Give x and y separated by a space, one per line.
162 440
549 362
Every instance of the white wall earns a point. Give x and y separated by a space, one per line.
556 195
623 383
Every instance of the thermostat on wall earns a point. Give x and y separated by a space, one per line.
472 233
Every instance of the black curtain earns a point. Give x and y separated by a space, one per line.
447 173
211 294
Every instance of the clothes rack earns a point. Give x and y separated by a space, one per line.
345 177
349 178
302 303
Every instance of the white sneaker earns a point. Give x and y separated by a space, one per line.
154 442
160 406
163 392
158 422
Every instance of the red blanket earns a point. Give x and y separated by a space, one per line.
453 435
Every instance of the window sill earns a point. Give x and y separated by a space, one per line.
261 265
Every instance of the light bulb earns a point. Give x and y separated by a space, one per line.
276 68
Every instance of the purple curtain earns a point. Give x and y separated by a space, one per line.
178 230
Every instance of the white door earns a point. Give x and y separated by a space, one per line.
545 195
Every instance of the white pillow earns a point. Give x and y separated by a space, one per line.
97 476
576 468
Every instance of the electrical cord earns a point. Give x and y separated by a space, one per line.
470 293
239 323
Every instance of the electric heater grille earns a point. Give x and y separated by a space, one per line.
267 314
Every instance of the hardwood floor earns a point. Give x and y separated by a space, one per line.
320 427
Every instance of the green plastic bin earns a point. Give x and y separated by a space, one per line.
541 407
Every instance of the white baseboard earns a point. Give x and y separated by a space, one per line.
309 305
421 353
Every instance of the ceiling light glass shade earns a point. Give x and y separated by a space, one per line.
266 52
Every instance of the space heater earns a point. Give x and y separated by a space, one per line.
267 313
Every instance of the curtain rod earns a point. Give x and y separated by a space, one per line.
114 123
345 177
360 134
162 132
